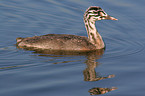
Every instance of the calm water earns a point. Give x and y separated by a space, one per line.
27 73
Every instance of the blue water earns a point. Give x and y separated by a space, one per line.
27 73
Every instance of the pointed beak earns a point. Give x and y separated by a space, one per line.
110 18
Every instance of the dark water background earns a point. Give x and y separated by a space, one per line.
25 73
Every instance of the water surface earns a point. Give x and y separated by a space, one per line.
28 73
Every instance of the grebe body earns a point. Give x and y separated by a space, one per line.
71 42
57 42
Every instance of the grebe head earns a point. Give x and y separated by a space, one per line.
95 13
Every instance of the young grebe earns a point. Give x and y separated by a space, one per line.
71 42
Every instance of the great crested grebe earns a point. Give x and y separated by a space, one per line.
71 42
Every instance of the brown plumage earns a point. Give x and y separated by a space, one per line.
57 42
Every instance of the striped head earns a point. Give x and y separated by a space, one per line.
95 13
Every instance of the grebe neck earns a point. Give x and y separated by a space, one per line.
93 35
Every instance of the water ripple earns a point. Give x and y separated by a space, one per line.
118 47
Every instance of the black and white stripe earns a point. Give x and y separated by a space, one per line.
91 15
